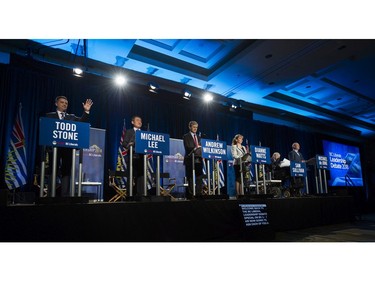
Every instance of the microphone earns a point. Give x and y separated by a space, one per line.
146 127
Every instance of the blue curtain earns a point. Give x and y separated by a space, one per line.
36 85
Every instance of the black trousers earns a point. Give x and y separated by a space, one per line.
64 169
138 175
198 167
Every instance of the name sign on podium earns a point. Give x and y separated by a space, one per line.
260 154
297 169
63 133
322 162
212 149
151 143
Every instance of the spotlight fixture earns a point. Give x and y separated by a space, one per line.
233 107
120 80
186 94
153 88
78 72
207 97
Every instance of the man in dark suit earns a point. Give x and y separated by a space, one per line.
296 156
64 155
192 144
138 159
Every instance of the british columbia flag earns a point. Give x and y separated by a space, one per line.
15 169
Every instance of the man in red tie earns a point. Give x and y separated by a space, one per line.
192 144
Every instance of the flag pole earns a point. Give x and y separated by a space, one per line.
42 172
13 196
130 179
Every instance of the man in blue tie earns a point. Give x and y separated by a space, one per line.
64 155
192 145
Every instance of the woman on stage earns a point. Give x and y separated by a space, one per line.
238 151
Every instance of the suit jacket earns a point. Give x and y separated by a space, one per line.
128 138
293 156
84 118
189 145
237 153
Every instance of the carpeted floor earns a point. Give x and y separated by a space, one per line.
360 230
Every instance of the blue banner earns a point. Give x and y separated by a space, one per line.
213 149
63 133
174 165
151 143
344 164
260 154
93 164
297 169
322 162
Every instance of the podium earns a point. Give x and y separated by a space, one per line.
196 155
298 170
260 156
57 134
321 164
215 151
149 143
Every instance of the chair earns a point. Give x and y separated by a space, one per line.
36 184
117 182
205 190
166 189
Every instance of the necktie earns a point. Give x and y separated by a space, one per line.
195 141
62 115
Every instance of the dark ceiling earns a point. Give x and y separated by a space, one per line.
325 81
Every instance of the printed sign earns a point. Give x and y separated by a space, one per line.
297 169
151 143
322 162
260 154
212 149
63 133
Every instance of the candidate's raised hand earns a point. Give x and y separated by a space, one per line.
87 105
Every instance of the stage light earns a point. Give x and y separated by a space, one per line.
186 94
233 107
120 80
78 72
207 97
153 87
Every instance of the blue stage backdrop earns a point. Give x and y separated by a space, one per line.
345 164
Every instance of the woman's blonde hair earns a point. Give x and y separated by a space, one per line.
276 154
235 139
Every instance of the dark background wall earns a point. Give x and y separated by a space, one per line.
36 84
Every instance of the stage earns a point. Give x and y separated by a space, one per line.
201 220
